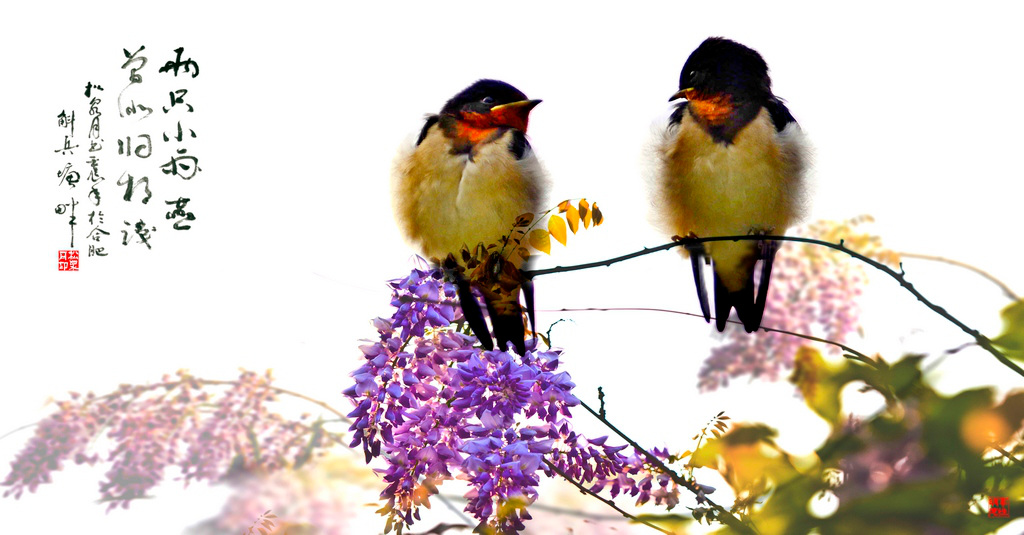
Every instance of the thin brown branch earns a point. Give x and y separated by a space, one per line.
195 380
982 340
1008 455
723 514
1002 286
13 431
341 416
852 353
606 501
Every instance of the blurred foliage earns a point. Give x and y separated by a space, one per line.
924 463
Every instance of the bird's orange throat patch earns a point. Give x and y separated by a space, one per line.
472 134
713 110
469 129
467 134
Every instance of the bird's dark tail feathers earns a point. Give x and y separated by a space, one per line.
474 316
767 250
749 308
531 312
697 261
505 312
742 300
507 320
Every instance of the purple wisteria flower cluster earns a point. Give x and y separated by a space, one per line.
435 407
814 291
177 422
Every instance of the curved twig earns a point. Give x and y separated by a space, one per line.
852 353
15 430
1002 286
982 340
723 514
341 416
606 501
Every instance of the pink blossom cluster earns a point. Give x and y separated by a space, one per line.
203 428
814 291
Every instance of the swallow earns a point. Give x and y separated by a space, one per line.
470 174
732 163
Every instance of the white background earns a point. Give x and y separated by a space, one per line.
913 112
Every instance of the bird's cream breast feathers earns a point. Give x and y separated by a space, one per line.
444 201
709 188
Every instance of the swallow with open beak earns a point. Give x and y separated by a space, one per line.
732 163
469 176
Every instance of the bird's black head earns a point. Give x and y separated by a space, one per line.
482 96
491 103
723 67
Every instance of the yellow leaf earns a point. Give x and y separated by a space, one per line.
540 240
563 206
1012 337
573 217
585 213
598 216
556 226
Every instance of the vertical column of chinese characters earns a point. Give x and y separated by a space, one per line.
135 127
181 164
135 147
67 259
97 233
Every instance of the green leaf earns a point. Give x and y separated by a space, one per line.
1012 337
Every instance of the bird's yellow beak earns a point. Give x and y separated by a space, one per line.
683 93
520 106
514 114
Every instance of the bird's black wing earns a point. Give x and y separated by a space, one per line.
519 144
431 121
677 114
779 113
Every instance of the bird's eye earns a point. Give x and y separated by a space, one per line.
487 100
697 77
